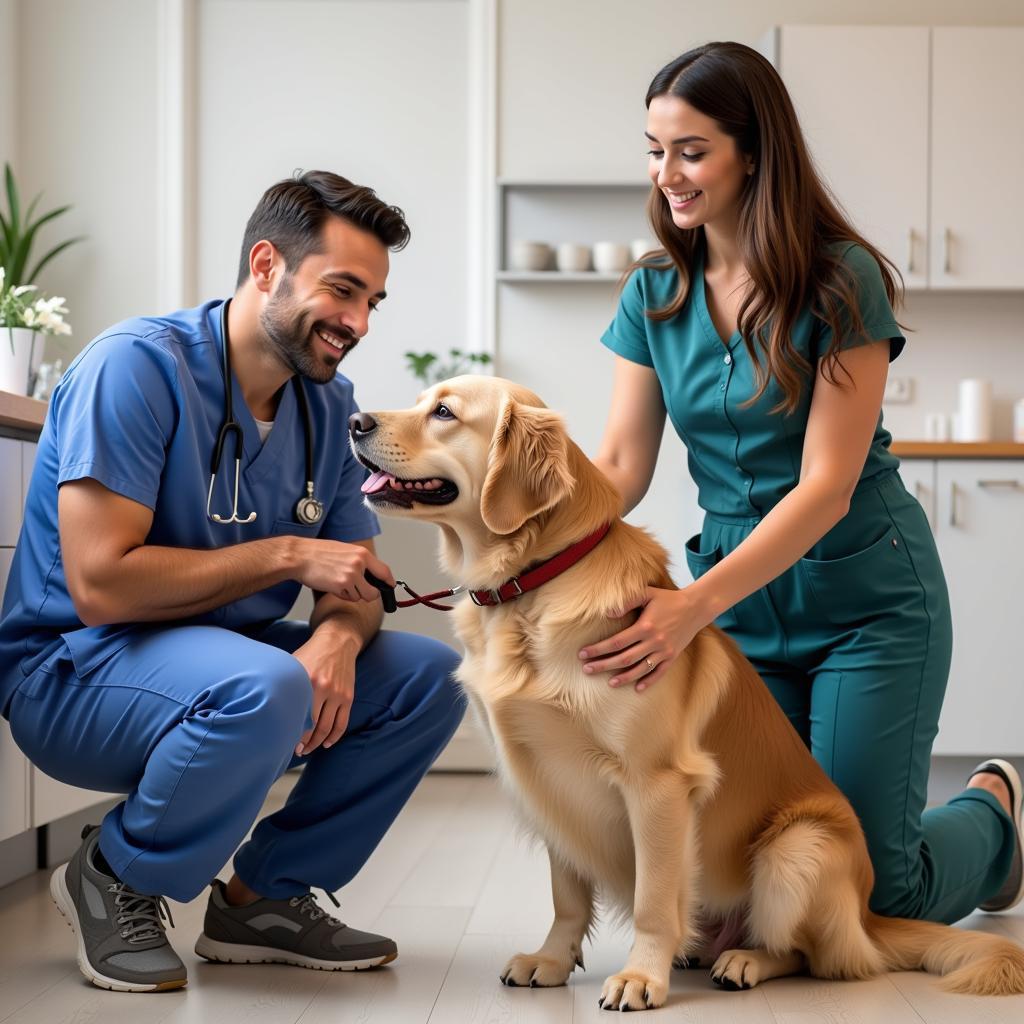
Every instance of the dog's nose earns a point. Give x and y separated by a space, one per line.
360 424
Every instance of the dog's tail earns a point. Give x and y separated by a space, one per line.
969 962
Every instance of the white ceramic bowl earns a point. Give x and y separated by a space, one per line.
530 256
572 258
610 257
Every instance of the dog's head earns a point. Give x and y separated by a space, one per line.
473 450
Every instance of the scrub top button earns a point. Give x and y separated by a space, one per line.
728 359
721 387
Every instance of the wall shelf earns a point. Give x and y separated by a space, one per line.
555 277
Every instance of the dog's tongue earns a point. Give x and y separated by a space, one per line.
377 482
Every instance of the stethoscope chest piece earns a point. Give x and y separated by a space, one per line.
308 510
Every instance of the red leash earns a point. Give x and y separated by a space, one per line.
510 589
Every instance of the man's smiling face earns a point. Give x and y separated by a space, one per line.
316 315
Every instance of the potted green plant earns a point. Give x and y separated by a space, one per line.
24 313
429 368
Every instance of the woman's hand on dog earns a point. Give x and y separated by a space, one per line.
642 653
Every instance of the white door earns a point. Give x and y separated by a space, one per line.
919 478
861 94
977 154
981 511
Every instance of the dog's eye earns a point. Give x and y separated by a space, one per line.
442 412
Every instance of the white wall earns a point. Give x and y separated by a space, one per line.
349 87
8 81
86 136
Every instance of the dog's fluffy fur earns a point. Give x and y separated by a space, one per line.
694 809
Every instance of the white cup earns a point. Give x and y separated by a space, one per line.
936 426
639 246
530 256
610 257
572 258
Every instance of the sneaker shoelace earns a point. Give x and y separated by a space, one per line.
141 917
307 905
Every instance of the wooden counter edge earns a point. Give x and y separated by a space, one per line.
18 412
958 450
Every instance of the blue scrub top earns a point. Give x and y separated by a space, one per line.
139 410
744 459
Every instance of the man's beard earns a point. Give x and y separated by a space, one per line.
289 333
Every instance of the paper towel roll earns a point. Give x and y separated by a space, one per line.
975 410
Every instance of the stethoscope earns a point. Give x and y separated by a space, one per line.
308 510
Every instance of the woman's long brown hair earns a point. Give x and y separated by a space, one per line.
790 226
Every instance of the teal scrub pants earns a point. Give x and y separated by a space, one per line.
854 641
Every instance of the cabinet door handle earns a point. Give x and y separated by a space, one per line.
910 251
947 244
953 492
1013 485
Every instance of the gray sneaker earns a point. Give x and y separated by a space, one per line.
1012 891
291 931
122 944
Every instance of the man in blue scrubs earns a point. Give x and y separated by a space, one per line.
143 648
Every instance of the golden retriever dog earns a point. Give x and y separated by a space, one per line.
693 809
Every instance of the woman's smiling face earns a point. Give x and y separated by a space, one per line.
695 165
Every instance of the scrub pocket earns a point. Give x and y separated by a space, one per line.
699 562
876 581
292 528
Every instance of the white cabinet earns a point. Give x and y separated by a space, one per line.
861 94
919 478
977 153
10 491
980 515
976 511
896 115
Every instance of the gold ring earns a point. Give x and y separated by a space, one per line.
650 667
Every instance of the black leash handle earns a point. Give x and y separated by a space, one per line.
387 592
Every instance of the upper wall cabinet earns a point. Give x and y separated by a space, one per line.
977 155
918 132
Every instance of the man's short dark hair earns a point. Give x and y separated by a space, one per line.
291 214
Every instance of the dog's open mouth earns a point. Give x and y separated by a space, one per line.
382 486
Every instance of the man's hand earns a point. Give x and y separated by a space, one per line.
331 665
333 567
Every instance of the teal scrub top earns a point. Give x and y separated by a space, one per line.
744 459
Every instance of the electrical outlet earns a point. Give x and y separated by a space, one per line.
899 390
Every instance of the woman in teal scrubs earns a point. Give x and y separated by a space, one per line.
764 330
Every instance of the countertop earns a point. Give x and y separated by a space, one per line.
22 415
958 450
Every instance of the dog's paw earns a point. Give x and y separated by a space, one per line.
529 970
633 990
736 969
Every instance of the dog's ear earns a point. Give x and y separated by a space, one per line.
527 468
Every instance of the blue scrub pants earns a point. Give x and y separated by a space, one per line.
195 723
854 642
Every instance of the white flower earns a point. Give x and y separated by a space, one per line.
29 316
3 275
22 288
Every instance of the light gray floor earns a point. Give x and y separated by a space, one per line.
460 892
